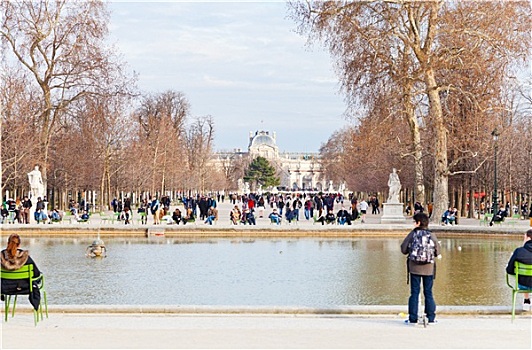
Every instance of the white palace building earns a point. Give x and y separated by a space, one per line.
297 171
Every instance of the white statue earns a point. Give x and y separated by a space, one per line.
331 189
36 184
341 188
395 186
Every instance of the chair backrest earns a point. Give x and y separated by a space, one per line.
521 269
25 272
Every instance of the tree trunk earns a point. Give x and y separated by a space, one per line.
441 177
419 181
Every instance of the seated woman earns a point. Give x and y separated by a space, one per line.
212 215
189 217
74 212
84 217
250 217
56 215
40 216
176 216
343 216
499 217
329 218
290 214
448 217
235 215
13 258
275 217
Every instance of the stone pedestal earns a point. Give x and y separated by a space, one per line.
392 213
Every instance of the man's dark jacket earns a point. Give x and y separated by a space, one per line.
523 255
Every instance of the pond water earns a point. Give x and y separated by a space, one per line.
263 272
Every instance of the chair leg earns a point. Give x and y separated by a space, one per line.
7 301
14 306
45 305
514 295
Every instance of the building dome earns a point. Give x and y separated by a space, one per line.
263 140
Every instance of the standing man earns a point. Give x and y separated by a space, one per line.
296 205
363 209
523 255
422 247
26 206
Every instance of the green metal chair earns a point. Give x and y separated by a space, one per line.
520 269
104 217
25 272
486 219
143 218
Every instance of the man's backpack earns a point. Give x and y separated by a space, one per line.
422 248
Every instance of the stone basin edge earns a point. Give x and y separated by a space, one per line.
245 232
478 310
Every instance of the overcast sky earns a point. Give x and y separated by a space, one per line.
240 62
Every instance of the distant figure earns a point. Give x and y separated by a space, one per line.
176 216
343 216
36 184
275 217
395 186
363 209
448 217
235 215
499 217
212 215
329 218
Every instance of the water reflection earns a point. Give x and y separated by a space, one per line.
302 272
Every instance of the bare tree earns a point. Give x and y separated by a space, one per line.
420 37
61 44
161 120
17 119
199 143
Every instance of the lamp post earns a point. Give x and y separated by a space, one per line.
495 133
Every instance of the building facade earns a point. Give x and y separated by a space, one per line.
297 171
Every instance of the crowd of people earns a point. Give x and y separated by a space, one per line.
19 211
247 208
324 208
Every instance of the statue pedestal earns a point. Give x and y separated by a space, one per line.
392 213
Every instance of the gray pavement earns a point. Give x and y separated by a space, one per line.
124 331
